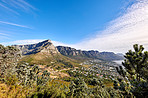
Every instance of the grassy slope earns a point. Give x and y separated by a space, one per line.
55 61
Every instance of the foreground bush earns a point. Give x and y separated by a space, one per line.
135 72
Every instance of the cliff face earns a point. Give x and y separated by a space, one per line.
43 47
71 52
68 51
47 48
45 53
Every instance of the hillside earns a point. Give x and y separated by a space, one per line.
57 61
79 54
54 59
45 53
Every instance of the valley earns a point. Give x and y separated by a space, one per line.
43 70
60 61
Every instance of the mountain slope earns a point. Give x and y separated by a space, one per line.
45 53
45 46
79 54
55 61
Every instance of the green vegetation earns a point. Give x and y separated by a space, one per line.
21 79
8 58
57 61
135 72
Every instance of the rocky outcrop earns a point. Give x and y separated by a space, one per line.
47 48
68 51
43 47
72 52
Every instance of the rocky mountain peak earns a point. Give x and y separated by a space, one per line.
47 48
43 47
46 41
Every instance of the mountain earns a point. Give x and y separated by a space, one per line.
120 54
45 46
79 54
45 53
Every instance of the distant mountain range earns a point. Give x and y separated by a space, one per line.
79 54
120 54
47 48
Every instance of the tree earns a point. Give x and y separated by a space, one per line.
78 89
135 70
8 58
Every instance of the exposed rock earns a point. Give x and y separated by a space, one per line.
43 47
46 47
72 52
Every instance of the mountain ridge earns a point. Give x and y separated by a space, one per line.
92 54
45 53
44 46
48 48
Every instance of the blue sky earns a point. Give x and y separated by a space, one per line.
69 22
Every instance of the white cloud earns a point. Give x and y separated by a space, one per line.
3 34
23 42
119 36
13 24
33 41
24 4
123 32
9 9
10 5
56 43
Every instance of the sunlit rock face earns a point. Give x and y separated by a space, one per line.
43 47
79 54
